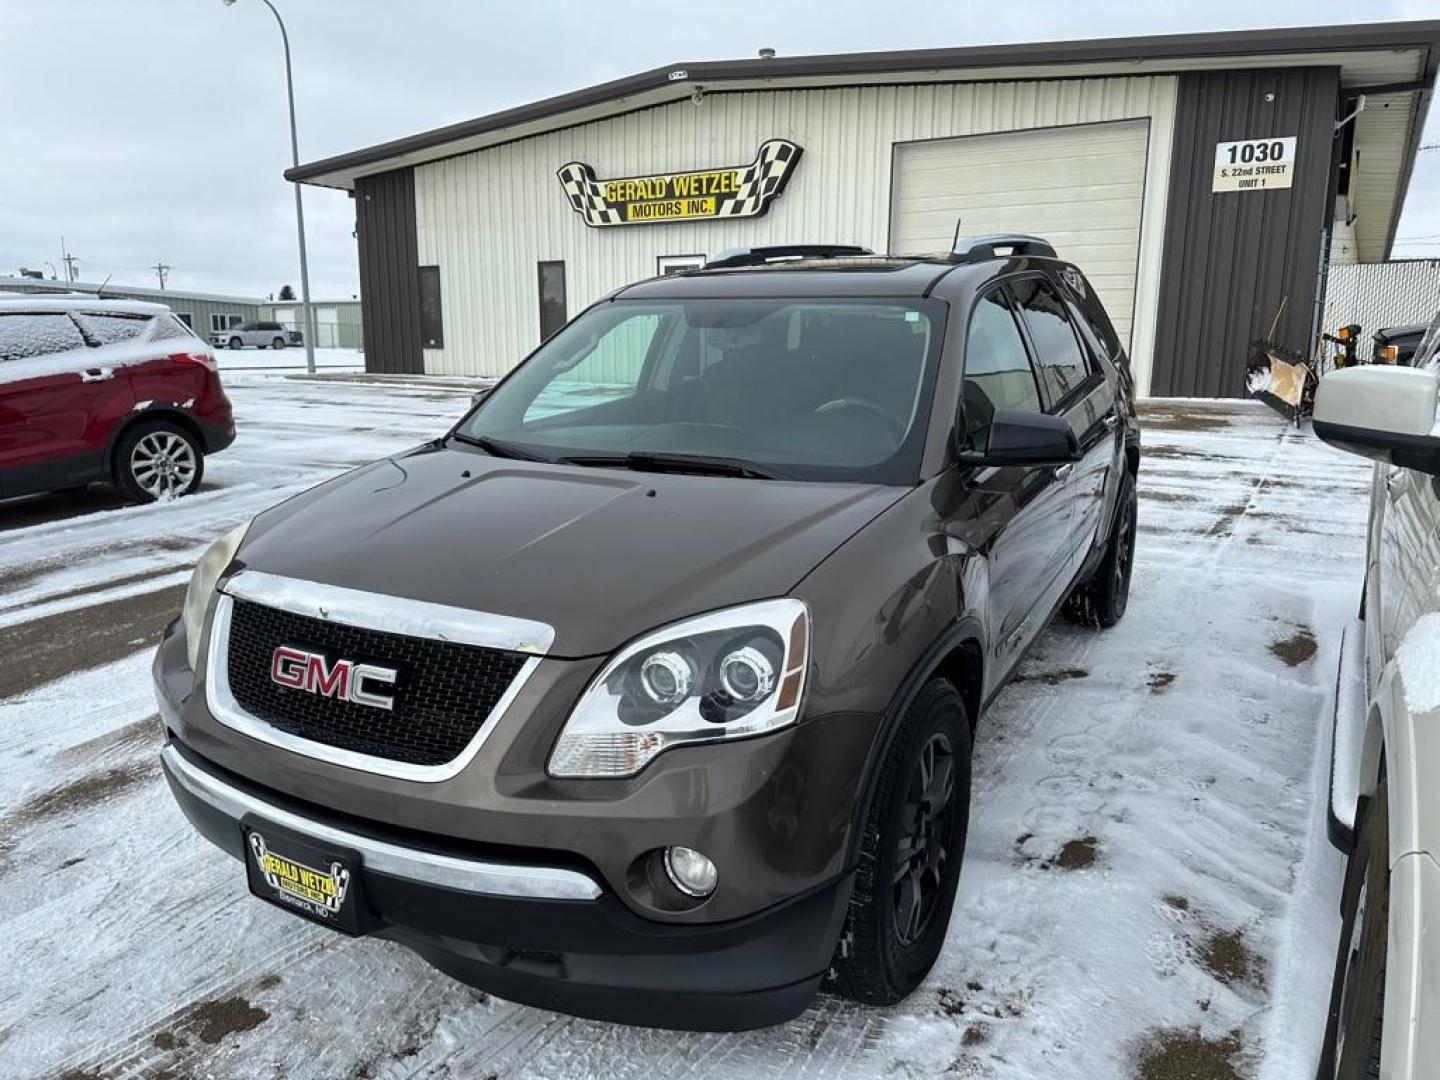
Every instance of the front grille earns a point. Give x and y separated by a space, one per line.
443 691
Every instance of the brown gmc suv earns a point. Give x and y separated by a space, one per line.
647 692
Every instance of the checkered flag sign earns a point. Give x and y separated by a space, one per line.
762 180
586 195
735 192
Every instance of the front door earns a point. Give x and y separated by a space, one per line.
1073 387
1018 516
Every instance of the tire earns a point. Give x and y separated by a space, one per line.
236 343
1101 599
888 945
158 459
278 343
1357 995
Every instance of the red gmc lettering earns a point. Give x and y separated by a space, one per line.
344 680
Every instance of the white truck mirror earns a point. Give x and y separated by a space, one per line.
1383 413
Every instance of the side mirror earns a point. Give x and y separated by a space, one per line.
1383 413
1018 437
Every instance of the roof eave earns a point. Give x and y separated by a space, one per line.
341 170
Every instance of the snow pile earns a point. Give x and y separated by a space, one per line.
25 337
1418 659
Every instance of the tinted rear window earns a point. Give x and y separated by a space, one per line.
111 329
37 334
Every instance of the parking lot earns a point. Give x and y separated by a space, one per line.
1147 891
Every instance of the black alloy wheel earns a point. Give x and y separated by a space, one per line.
922 854
912 846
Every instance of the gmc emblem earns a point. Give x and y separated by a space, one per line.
344 680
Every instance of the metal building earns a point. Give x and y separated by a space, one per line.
338 323
1198 179
202 312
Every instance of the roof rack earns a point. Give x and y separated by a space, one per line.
969 249
759 256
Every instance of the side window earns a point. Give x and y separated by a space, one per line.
39 334
998 374
432 315
172 327
1058 356
553 306
112 329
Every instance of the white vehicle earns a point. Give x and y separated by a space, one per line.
1385 776
263 335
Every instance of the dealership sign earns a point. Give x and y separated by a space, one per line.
706 195
1254 164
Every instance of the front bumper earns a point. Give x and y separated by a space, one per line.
548 936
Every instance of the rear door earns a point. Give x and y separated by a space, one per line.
58 402
1073 387
1019 515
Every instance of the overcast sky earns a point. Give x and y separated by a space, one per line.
155 130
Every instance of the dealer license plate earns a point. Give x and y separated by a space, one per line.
310 879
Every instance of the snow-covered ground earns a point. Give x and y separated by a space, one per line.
1147 892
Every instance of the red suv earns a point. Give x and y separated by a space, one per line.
113 390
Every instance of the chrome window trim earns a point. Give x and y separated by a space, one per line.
412 864
392 614
383 613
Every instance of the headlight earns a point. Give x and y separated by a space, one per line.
202 587
725 675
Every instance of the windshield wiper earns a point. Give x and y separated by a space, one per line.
499 448
699 464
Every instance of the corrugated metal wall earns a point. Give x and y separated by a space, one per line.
1381 295
389 277
1232 257
488 217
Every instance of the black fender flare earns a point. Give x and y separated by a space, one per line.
965 628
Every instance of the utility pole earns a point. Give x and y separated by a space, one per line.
162 272
69 261
306 314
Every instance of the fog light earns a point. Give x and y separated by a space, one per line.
690 872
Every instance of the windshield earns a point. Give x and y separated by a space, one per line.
809 389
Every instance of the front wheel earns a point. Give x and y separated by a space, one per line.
1357 996
236 343
278 343
911 853
158 460
1102 599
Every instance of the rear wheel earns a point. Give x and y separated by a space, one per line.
910 859
158 460
1357 996
1101 600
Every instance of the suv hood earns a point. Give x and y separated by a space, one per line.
602 555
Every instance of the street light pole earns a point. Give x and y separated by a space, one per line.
308 322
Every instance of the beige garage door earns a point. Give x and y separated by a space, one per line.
1079 187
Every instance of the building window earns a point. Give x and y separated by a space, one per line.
432 320
186 318
675 264
552 298
224 321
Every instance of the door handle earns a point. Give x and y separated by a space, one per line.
1062 472
97 374
1111 419
1395 482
